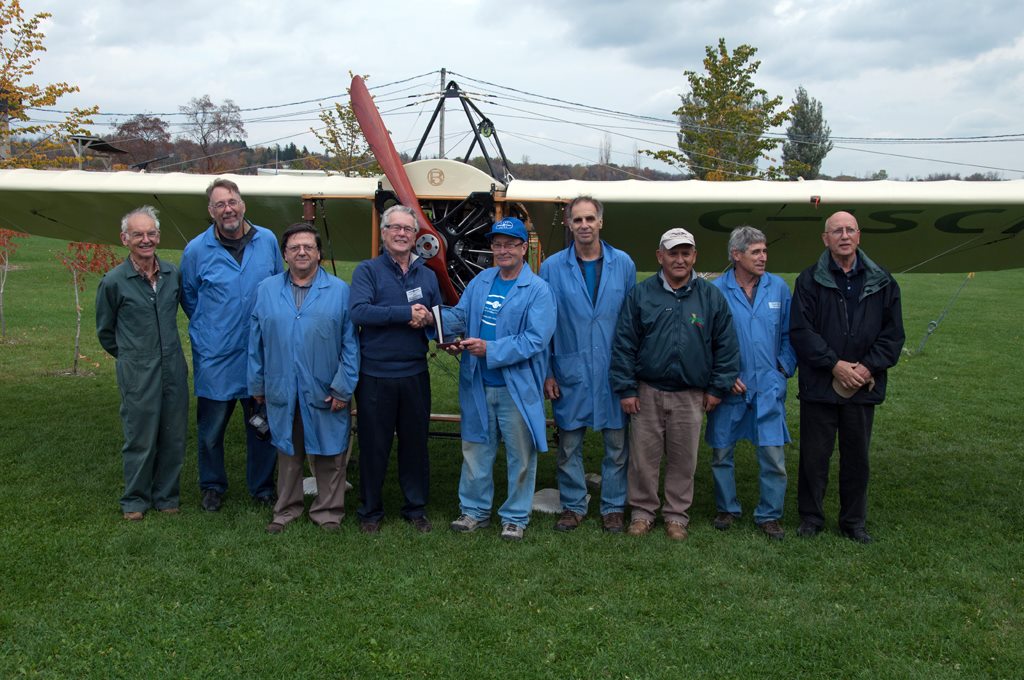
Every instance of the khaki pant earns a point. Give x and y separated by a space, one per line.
329 471
668 425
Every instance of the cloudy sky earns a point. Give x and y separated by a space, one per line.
882 69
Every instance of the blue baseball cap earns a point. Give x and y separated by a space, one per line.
510 226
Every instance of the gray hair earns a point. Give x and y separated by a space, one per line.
221 183
598 206
147 210
742 238
398 207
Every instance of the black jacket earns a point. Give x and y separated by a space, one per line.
821 334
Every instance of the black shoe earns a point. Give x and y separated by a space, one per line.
859 535
808 530
421 524
267 500
369 527
212 500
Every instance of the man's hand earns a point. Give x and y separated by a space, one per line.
710 402
738 387
630 405
863 372
475 346
336 404
848 375
551 390
421 316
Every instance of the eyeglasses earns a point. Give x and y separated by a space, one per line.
839 231
401 228
498 247
220 205
303 247
137 236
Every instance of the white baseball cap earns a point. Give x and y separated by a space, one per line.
676 237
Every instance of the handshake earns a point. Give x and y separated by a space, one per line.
421 316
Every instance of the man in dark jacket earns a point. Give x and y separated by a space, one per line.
674 357
847 329
390 304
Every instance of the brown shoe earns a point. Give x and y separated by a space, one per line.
170 511
134 516
369 527
639 527
614 522
724 520
772 530
675 531
275 528
568 521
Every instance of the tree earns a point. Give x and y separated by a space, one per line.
8 246
604 157
81 259
144 137
344 143
808 136
723 118
212 127
26 142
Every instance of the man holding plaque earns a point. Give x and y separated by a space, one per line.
391 299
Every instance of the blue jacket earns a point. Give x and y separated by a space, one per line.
766 361
582 345
381 304
301 356
526 323
217 295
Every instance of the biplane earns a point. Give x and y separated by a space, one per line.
948 226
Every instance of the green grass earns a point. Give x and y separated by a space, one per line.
939 595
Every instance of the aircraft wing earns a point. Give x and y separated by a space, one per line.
921 226
87 206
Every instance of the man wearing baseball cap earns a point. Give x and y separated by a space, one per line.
674 357
506 317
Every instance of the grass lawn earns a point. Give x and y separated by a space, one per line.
938 595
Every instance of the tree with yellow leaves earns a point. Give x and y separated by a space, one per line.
26 142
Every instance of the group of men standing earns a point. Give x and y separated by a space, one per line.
640 363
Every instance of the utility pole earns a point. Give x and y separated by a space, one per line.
440 124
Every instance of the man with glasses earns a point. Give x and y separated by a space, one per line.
304 363
137 323
392 295
847 329
589 279
506 316
220 270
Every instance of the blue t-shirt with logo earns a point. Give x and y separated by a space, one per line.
489 325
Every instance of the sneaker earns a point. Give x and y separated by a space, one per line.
212 500
772 530
614 522
465 524
510 532
420 524
639 527
724 520
675 531
568 521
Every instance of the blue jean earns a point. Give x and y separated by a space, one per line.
212 418
476 484
572 485
771 461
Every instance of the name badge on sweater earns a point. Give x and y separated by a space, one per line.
414 294
774 304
